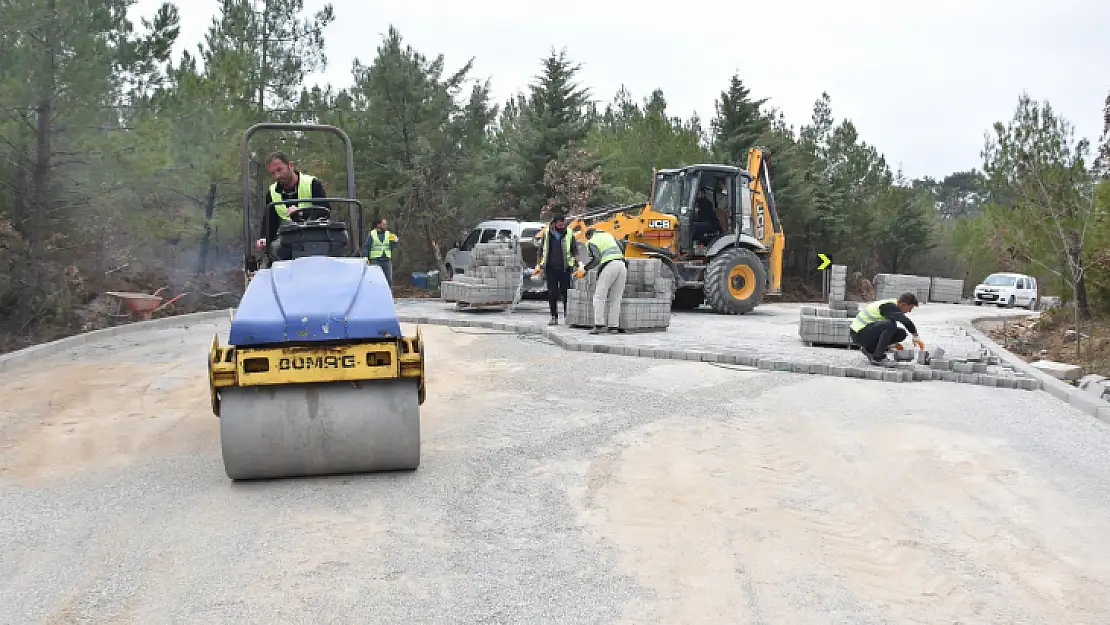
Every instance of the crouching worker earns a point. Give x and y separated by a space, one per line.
875 328
607 255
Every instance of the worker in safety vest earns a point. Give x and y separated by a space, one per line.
607 254
379 248
289 184
557 266
875 328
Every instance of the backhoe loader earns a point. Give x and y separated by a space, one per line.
714 226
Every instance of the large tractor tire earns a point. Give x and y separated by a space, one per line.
688 299
735 281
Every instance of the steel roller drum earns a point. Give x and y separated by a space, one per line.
320 429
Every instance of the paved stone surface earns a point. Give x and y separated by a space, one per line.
768 337
556 487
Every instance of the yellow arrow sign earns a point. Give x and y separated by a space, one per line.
824 262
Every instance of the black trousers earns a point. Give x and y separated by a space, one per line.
875 338
558 283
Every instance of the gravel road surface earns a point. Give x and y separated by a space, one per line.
556 487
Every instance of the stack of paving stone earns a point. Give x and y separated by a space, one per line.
647 297
892 285
946 290
827 326
838 283
496 277
921 290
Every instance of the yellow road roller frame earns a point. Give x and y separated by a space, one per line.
299 364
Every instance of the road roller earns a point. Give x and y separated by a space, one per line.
316 377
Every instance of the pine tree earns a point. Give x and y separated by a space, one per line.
556 120
739 123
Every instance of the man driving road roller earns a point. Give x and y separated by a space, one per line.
289 184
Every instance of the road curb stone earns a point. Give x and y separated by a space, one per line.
12 360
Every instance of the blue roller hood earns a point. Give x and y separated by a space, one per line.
316 298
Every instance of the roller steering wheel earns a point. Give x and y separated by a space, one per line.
301 215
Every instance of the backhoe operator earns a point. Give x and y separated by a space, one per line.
289 184
707 222
875 328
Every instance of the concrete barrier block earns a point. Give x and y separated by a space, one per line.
946 290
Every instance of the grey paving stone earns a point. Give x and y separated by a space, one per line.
742 340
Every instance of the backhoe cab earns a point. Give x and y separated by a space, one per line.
714 226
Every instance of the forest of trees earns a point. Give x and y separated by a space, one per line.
120 162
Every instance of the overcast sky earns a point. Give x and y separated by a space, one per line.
922 81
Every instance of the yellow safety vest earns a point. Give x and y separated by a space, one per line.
379 247
567 236
870 314
304 192
607 246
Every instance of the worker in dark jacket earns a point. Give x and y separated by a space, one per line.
558 258
875 328
289 184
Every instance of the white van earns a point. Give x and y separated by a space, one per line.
457 260
1007 289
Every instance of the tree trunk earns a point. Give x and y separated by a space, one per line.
44 145
206 240
434 245
1080 293
1078 280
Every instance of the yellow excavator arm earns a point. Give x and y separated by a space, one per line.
763 206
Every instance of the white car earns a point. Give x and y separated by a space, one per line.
1007 289
457 260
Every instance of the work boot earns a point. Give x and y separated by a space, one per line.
554 321
875 359
598 330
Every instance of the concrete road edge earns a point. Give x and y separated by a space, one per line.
14 359
1060 390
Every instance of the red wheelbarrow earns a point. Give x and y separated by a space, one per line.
141 305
